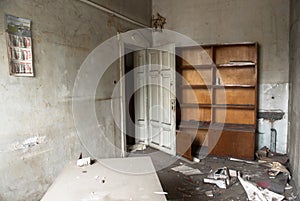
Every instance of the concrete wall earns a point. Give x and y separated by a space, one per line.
230 21
294 137
134 9
37 133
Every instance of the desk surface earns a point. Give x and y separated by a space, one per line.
119 179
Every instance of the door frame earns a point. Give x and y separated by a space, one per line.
123 45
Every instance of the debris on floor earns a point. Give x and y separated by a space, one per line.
218 180
268 184
209 194
161 193
273 186
221 183
266 155
83 161
220 177
186 170
256 194
277 168
137 147
243 161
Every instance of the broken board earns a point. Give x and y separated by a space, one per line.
108 180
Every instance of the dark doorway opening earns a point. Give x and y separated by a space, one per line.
129 98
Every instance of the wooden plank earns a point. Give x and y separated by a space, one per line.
196 56
237 64
227 54
196 66
183 144
232 144
198 77
200 96
197 135
195 114
108 179
241 76
235 116
235 96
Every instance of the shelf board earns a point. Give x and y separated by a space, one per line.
203 86
191 67
196 105
216 45
197 86
234 86
235 127
216 126
226 106
234 106
236 64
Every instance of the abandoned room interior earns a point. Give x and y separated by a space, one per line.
153 100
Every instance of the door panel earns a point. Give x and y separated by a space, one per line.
167 138
155 104
166 98
154 96
155 133
162 74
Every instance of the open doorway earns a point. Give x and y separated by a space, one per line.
150 110
129 98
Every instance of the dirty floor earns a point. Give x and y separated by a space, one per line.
191 188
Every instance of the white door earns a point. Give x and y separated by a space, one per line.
159 113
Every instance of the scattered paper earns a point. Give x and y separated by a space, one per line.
186 170
137 147
256 194
161 193
220 183
209 194
83 162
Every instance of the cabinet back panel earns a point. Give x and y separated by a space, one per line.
196 96
197 77
235 96
237 76
232 144
196 56
198 136
227 54
235 116
196 114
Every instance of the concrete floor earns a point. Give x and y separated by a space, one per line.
189 188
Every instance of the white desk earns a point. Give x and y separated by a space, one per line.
85 183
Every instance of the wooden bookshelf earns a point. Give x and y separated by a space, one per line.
217 96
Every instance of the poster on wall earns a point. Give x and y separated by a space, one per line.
19 46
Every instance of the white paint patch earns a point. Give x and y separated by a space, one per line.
28 143
273 98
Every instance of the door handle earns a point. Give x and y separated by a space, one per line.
173 104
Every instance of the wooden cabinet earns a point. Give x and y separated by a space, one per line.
217 97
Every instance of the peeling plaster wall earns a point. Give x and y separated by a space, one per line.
37 132
294 135
273 98
230 21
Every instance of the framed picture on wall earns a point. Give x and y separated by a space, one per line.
19 46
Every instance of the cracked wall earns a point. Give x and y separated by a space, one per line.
37 133
231 21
